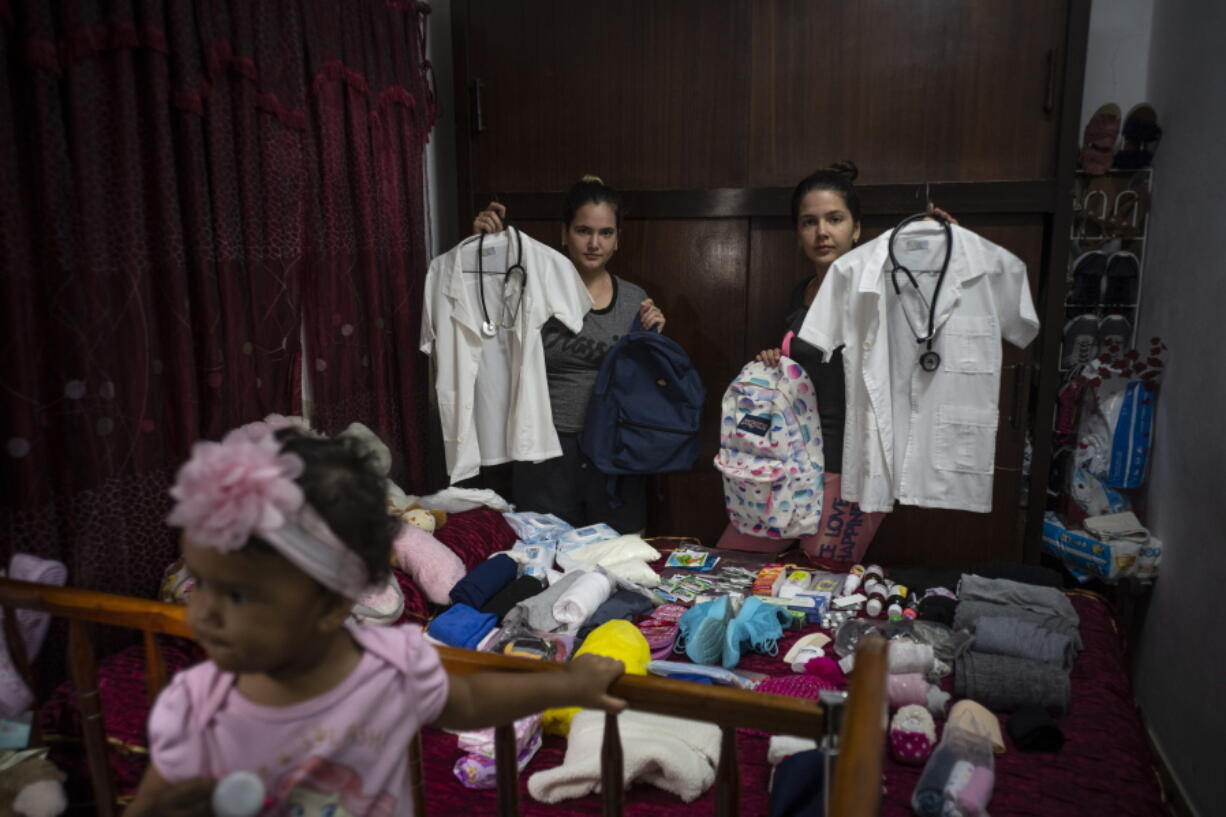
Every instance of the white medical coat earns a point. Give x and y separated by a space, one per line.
917 437
451 334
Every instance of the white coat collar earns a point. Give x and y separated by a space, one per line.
876 280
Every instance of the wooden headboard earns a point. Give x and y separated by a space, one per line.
856 788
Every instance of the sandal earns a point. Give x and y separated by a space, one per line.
1099 140
1141 136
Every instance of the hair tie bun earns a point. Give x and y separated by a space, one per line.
588 177
846 168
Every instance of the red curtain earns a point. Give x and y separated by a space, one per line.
177 180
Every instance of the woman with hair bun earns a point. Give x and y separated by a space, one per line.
826 216
570 486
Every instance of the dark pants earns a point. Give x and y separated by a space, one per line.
570 487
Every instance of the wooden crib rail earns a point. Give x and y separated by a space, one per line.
857 778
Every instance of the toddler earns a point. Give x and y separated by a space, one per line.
281 532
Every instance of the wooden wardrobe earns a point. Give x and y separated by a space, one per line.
706 114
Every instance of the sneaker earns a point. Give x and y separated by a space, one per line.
1089 270
1080 341
1114 334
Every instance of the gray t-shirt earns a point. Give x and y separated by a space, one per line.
572 361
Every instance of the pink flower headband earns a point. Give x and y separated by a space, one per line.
245 485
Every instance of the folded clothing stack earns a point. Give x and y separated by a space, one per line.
1025 641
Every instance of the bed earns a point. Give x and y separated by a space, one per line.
1105 767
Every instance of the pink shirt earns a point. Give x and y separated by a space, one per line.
342 753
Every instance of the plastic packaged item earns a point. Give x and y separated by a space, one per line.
477 771
587 535
534 528
743 679
692 559
958 778
539 558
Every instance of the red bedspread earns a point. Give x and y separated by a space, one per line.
1104 768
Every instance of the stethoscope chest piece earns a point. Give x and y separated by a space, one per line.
488 329
929 361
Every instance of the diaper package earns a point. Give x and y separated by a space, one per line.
535 528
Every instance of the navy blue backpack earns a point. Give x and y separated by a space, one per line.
646 407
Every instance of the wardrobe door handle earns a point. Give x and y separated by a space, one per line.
475 87
1016 410
1049 101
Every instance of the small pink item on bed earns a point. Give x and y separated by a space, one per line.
827 669
430 563
912 735
908 688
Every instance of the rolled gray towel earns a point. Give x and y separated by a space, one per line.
1023 639
969 612
535 614
1004 683
1036 599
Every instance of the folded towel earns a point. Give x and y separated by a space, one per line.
485 580
1003 683
784 746
581 599
525 587
969 612
461 626
1023 639
535 614
624 604
673 754
1036 599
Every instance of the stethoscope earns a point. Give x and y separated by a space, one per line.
930 360
488 327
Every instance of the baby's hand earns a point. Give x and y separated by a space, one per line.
188 798
592 675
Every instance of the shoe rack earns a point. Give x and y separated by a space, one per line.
1110 217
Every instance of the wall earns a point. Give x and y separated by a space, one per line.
1117 55
1180 663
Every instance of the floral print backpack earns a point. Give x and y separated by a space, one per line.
771 451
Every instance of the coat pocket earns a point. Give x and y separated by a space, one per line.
972 345
965 439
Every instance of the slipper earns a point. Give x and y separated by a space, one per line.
1141 136
1123 275
1114 334
1099 139
806 647
1088 271
1080 341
